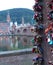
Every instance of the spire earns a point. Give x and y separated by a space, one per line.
23 21
11 24
8 17
15 23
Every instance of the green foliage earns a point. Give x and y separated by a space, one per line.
16 14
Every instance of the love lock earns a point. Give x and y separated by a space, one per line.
50 4
38 16
38 0
50 15
37 7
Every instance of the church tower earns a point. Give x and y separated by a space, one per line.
8 17
23 21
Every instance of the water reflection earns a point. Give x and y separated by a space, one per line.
14 42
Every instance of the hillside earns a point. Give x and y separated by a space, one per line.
16 14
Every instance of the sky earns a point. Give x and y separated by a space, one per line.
8 4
